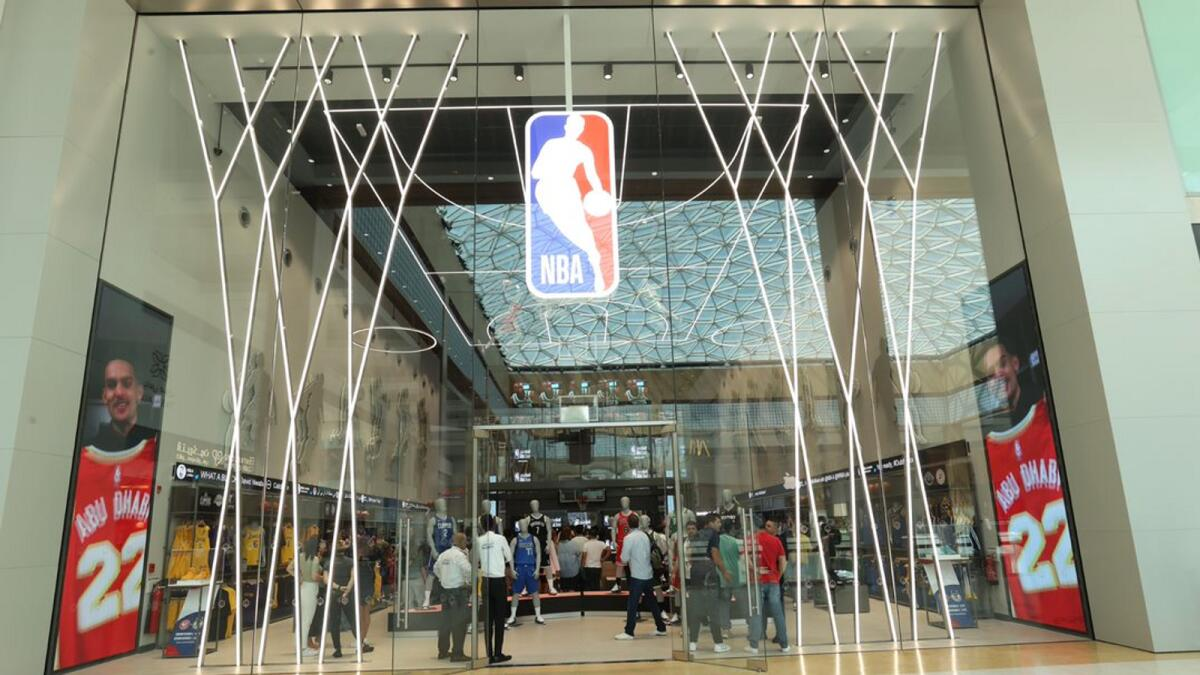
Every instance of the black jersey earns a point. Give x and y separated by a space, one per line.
539 526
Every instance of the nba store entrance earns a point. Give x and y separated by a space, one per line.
722 307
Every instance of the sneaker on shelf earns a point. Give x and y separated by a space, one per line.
721 648
622 636
691 646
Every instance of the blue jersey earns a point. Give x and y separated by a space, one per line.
526 553
443 533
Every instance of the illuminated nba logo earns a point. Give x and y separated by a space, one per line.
570 211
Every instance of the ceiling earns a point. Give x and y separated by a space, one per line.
194 6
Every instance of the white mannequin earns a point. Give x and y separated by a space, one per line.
535 516
614 532
523 528
439 534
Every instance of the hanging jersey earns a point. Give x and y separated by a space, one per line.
252 546
285 553
525 553
443 534
201 545
181 552
539 526
622 529
1031 515
102 579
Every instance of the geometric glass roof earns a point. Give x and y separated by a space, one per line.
697 269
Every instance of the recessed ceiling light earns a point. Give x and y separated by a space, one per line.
825 151
809 176
362 131
845 120
653 173
491 178
329 185
311 160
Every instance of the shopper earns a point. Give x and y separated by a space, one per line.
635 555
772 563
366 589
705 574
594 553
342 603
570 552
495 565
453 571
308 569
734 595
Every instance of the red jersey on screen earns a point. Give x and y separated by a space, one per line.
1031 516
770 550
102 579
622 529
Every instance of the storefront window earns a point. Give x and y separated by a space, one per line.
764 291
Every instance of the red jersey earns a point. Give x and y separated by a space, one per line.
1031 516
770 550
102 579
622 529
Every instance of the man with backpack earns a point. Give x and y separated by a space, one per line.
636 554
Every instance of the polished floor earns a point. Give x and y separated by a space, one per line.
578 643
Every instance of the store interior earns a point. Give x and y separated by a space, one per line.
431 300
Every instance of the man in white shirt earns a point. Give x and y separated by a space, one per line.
635 554
495 565
593 557
453 570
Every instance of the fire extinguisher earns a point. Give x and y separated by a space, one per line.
989 570
155 614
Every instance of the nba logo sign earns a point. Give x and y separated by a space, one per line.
570 210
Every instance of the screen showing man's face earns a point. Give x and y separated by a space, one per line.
122 392
1003 368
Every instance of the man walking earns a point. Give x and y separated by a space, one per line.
635 554
495 565
705 573
453 571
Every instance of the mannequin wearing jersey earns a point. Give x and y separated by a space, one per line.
728 511
439 534
539 527
620 527
526 554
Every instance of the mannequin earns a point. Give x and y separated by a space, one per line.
728 511
620 527
539 527
485 507
439 534
526 552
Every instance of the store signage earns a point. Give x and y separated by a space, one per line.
570 206
191 472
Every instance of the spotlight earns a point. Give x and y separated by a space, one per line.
328 79
454 74
519 73
387 75
749 71
608 72
823 68
678 71
845 120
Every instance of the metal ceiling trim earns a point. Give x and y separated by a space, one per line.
267 6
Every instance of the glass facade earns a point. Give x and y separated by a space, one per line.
752 274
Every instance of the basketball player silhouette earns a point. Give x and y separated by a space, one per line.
558 193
